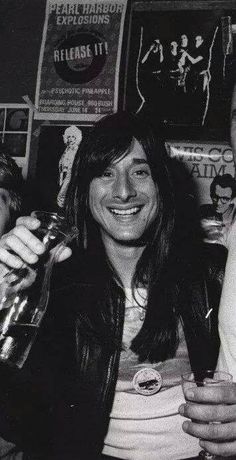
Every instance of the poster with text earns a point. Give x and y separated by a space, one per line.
206 170
78 73
182 66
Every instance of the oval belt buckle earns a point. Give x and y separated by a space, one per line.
147 381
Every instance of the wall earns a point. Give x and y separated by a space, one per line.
21 26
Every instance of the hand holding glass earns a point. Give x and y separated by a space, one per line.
202 378
24 292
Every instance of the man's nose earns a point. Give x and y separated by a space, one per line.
123 188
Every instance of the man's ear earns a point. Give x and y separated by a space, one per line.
233 126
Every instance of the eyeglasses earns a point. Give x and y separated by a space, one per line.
223 199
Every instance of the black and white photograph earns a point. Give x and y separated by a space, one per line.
219 213
15 132
14 128
181 66
118 230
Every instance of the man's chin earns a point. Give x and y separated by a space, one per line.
132 242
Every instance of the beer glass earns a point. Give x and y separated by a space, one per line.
202 378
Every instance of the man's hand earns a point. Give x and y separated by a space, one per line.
20 246
213 231
212 411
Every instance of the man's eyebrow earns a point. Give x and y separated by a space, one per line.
139 161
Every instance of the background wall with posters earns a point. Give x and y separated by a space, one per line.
70 71
70 62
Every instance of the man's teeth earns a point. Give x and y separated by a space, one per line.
125 212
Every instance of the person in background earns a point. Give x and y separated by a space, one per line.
72 138
198 58
183 62
154 57
222 192
233 125
11 206
216 218
184 42
227 313
133 306
172 67
227 324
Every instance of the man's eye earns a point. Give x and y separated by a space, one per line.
141 173
3 198
107 173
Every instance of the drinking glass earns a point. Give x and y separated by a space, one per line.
24 292
201 378
213 230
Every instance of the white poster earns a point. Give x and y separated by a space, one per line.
209 173
79 63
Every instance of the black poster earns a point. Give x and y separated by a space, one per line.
182 67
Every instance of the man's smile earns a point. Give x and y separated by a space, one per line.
125 212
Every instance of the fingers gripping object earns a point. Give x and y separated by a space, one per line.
24 292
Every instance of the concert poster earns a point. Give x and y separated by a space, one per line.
79 63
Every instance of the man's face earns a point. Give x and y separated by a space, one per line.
198 40
123 200
184 40
4 210
173 46
156 45
221 198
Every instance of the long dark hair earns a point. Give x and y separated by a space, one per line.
108 141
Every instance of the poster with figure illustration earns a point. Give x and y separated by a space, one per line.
78 72
58 145
182 65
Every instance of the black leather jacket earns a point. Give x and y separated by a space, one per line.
57 407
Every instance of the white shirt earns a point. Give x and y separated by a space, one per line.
148 427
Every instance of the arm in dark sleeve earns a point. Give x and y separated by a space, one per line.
25 409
